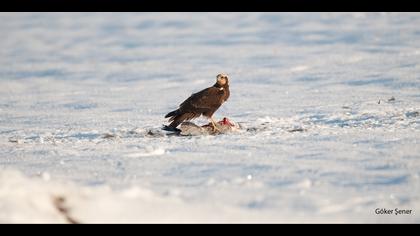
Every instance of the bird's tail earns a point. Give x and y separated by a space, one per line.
177 117
172 113
176 122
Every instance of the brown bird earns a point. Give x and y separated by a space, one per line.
206 102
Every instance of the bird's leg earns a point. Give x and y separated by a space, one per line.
214 124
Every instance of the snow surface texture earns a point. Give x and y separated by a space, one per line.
330 104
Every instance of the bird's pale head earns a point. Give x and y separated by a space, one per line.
222 79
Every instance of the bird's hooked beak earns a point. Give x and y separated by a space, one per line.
222 79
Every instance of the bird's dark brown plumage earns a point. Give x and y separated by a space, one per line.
206 102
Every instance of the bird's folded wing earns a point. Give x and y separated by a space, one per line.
207 98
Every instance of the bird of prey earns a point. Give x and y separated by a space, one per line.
205 103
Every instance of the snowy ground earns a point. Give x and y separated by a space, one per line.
79 94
